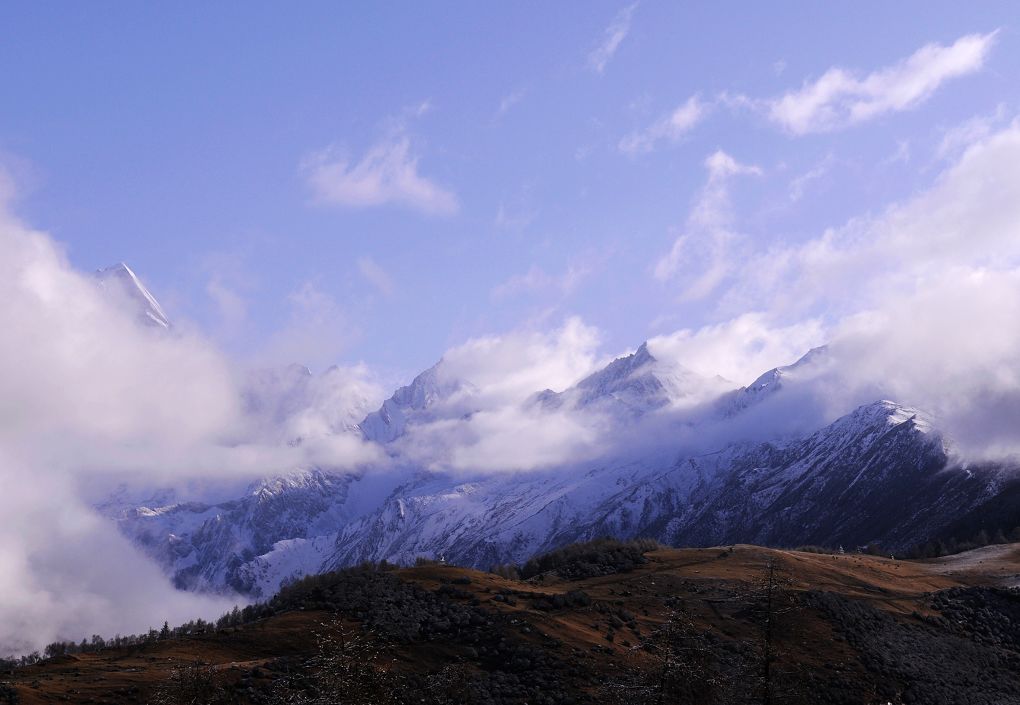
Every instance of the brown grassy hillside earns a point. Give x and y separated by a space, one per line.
691 625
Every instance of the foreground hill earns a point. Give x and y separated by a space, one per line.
598 623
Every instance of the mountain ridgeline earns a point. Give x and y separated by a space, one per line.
688 460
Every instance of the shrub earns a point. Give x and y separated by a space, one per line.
585 560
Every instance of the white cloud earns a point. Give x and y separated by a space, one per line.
492 425
386 174
969 217
799 184
90 398
537 280
509 368
84 389
900 156
423 108
840 98
508 101
669 128
615 33
702 254
486 426
231 307
376 275
514 218
958 138
721 165
316 332
923 299
740 349
921 304
512 438
948 347
289 403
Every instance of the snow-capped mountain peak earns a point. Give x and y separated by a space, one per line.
410 403
879 472
773 379
634 385
129 285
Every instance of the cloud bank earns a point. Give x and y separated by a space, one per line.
920 301
90 397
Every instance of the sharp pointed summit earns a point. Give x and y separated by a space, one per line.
633 385
409 404
129 285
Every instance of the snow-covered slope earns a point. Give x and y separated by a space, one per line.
880 473
213 546
414 403
838 485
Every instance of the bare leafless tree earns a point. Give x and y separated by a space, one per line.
771 600
350 668
189 685
685 670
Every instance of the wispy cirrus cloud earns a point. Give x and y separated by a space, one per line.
669 128
614 34
701 255
509 101
840 98
800 184
375 275
386 174
957 138
537 280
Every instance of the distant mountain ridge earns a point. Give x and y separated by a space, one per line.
688 473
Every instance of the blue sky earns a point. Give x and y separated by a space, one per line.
381 182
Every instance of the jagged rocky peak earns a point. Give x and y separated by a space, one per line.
635 384
130 286
413 401
773 379
810 365
426 389
303 479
